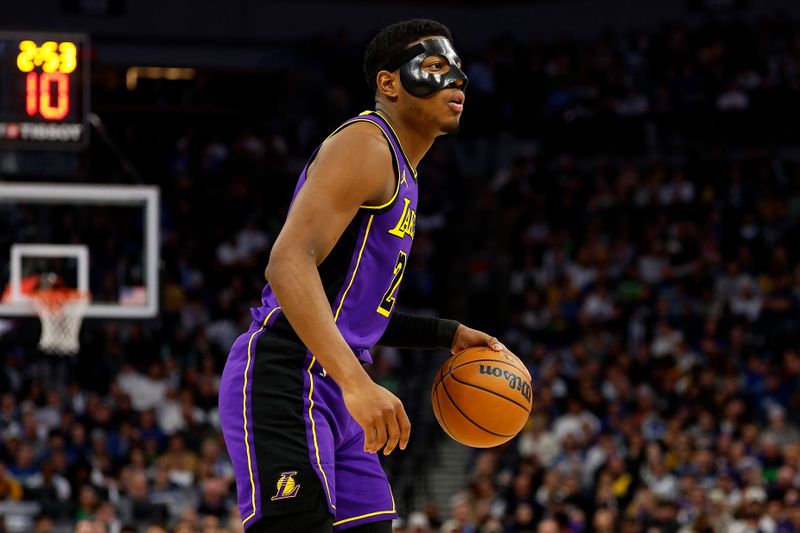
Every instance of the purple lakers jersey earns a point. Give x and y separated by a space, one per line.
363 272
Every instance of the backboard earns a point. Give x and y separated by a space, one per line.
103 239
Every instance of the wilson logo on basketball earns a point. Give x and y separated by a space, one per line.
514 381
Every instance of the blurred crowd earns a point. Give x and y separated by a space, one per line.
659 315
620 211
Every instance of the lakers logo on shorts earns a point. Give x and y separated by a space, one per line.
287 486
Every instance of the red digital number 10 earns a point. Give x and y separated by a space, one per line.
39 94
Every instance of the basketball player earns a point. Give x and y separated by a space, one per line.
302 420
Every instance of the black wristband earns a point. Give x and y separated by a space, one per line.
445 333
412 331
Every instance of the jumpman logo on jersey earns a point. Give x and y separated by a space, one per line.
403 178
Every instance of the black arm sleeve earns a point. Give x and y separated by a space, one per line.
411 331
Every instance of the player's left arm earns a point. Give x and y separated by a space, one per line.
414 331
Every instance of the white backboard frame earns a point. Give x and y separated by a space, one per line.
79 252
85 193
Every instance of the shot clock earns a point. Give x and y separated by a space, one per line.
44 86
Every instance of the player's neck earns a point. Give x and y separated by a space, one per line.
415 144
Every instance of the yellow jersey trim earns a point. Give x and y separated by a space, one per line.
386 120
376 513
355 270
363 516
314 428
244 416
391 146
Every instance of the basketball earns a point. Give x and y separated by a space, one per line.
482 398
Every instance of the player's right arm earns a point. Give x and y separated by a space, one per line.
352 168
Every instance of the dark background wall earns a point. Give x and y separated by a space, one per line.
241 32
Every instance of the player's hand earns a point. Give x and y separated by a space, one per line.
380 414
468 338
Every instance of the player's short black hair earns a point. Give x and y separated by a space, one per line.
393 39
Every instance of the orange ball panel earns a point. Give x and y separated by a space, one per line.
461 429
491 412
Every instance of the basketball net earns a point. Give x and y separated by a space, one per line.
61 312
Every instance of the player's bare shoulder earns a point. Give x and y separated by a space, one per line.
359 155
362 142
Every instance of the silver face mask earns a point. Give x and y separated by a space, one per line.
415 79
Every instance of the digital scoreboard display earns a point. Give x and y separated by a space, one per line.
44 90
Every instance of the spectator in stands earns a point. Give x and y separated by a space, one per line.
10 488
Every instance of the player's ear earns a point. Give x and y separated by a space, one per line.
388 84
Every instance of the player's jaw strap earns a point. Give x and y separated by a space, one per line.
404 57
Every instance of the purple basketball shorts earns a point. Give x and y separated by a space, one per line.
293 444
